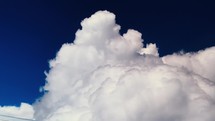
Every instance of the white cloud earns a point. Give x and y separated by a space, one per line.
13 113
200 63
105 76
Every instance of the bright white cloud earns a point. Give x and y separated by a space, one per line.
13 113
200 63
105 76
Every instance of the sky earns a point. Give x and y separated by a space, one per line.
32 32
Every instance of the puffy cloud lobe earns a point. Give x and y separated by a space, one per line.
104 76
200 63
150 49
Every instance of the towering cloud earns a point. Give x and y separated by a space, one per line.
105 76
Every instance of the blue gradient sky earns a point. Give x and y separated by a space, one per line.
31 32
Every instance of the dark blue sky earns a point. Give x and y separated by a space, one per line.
31 32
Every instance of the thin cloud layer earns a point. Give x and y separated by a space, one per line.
105 76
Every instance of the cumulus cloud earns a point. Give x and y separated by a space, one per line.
105 76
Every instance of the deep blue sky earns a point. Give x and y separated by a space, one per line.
32 31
